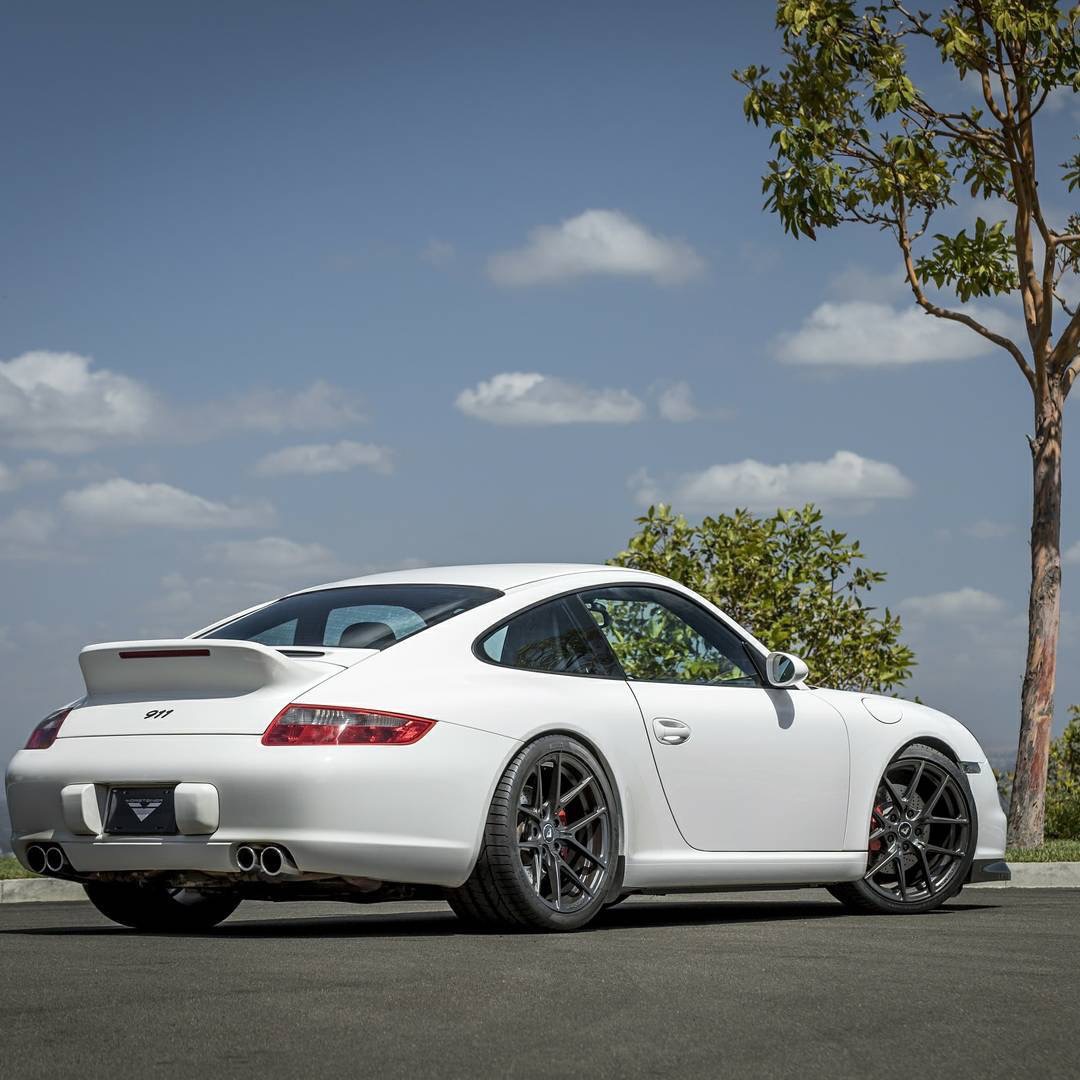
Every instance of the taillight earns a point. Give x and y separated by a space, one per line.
44 735
322 725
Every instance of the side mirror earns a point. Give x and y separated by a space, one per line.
784 670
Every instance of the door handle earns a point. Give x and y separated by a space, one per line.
670 732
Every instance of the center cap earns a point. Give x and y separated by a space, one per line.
905 830
548 832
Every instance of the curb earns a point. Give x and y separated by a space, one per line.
1055 875
25 890
1034 875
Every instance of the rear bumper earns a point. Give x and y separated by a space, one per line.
403 814
988 870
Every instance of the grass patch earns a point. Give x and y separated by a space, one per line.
10 868
1050 851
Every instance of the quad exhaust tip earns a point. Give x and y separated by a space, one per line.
246 859
45 859
36 861
271 861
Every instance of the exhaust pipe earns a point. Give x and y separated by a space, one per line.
35 859
54 860
273 862
246 859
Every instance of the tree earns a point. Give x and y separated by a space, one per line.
787 579
856 140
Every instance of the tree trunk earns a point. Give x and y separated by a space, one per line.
1027 807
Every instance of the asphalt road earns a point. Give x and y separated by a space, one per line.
748 984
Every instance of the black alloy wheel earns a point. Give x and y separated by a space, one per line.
922 836
551 842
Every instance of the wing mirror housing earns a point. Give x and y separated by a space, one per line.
784 669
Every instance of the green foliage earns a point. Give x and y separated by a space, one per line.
1063 782
1051 851
979 265
795 584
855 139
10 869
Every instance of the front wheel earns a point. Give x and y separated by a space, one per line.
154 907
921 840
551 842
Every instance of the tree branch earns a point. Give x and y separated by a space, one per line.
931 308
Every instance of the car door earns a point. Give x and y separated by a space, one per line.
745 767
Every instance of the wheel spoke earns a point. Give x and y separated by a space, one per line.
930 887
946 780
556 784
900 878
594 859
946 820
880 865
588 819
913 786
943 851
877 834
538 871
553 881
529 845
575 791
894 795
572 876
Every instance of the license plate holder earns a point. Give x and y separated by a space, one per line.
140 811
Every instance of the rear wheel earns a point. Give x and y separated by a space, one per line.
154 907
921 840
551 842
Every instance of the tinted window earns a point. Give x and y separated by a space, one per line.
557 636
361 617
661 636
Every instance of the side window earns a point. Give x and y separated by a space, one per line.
659 636
557 636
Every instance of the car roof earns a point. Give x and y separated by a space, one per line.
501 576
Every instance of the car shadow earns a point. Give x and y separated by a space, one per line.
654 914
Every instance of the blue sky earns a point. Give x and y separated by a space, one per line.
505 269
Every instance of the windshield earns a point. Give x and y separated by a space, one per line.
361 617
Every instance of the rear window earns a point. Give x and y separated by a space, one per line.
361 617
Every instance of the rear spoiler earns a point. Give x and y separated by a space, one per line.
186 665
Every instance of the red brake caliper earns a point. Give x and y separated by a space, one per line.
875 845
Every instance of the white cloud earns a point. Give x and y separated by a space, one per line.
24 532
676 403
121 503
861 283
846 478
438 253
532 398
957 604
596 242
26 472
1073 554
319 407
274 558
864 333
314 459
54 401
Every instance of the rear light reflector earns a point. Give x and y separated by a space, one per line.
323 725
44 735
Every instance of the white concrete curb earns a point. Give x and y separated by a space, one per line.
1054 875
1037 875
23 890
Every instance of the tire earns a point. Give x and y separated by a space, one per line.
547 862
921 844
153 907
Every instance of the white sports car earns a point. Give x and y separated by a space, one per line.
531 742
